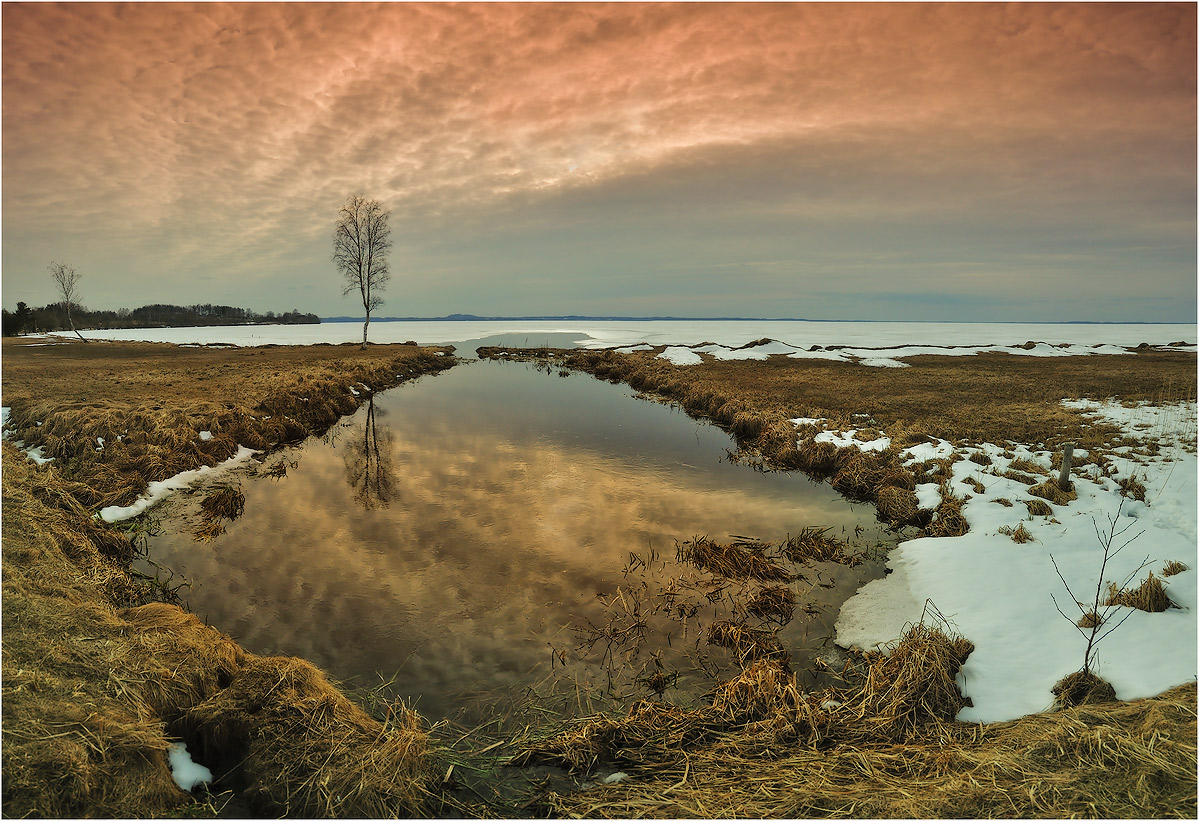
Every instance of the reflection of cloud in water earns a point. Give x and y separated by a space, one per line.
487 550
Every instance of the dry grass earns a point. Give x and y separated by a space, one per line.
975 485
732 561
1050 491
80 742
1028 466
814 544
1082 687
1149 596
775 604
149 403
98 678
1132 488
1090 620
747 644
1019 534
949 519
901 507
224 502
996 397
1173 568
888 747
1036 507
1016 476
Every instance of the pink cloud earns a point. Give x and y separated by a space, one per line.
231 124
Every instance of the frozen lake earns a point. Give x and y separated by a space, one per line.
862 336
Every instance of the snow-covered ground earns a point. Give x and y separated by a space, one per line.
1005 596
871 343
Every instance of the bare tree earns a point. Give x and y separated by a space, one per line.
361 239
66 278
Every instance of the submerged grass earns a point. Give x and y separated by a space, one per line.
733 560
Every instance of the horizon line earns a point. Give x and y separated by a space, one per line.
583 318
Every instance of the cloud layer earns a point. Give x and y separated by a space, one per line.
693 158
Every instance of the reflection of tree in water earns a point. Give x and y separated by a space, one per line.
367 455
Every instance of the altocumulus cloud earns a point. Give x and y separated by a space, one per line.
536 156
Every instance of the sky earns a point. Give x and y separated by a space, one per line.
966 162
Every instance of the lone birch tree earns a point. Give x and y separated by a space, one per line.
361 239
66 278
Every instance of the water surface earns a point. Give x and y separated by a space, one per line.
450 532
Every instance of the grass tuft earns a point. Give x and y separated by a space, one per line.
732 561
1019 534
1173 568
814 544
775 603
1082 687
1150 596
224 502
1133 488
949 519
1036 507
1050 491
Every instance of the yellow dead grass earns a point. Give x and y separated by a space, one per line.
98 679
98 676
887 748
156 399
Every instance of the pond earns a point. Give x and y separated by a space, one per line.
465 534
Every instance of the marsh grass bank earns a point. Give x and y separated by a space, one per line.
986 398
99 675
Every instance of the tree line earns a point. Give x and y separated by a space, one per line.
57 317
361 240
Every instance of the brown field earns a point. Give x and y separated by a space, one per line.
149 402
98 673
991 397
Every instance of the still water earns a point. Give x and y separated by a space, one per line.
452 532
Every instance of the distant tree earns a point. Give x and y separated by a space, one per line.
66 278
361 239
22 319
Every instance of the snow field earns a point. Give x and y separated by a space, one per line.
1004 596
871 343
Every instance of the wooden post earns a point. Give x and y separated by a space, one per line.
1063 479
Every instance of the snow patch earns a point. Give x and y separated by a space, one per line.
1001 595
157 491
679 355
187 773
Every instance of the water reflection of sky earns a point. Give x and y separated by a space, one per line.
515 497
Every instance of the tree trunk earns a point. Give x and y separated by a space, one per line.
364 326
71 322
